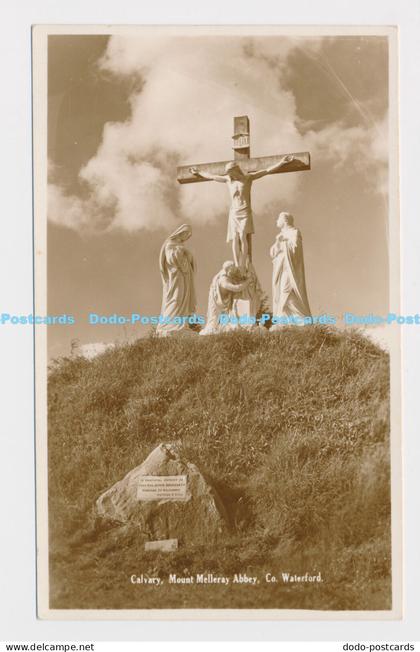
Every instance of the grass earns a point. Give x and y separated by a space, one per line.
293 430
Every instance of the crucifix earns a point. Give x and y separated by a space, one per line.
239 175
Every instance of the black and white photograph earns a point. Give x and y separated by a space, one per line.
218 318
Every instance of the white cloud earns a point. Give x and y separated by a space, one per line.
364 148
190 90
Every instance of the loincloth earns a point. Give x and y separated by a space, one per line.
240 222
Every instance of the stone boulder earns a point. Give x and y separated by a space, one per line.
197 516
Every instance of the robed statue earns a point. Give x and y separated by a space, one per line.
289 287
177 272
226 285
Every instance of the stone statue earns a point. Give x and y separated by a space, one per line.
240 222
289 287
177 271
225 286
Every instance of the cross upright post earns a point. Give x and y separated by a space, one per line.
241 138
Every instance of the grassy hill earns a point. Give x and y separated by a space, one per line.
293 430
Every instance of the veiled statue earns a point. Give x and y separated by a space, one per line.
177 272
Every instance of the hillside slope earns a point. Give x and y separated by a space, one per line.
292 428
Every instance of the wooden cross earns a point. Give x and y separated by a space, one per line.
242 154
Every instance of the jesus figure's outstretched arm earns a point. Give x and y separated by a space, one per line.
273 168
206 175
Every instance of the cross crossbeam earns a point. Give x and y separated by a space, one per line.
301 161
242 154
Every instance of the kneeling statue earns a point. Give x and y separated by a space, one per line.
223 289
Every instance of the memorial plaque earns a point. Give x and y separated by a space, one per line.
162 487
165 545
240 141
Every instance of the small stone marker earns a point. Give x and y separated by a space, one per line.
165 545
162 487
166 498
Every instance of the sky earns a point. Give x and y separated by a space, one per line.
124 111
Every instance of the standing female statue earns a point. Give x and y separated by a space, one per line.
177 271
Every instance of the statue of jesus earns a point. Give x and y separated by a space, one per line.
240 222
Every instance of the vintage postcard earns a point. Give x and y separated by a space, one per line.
217 320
